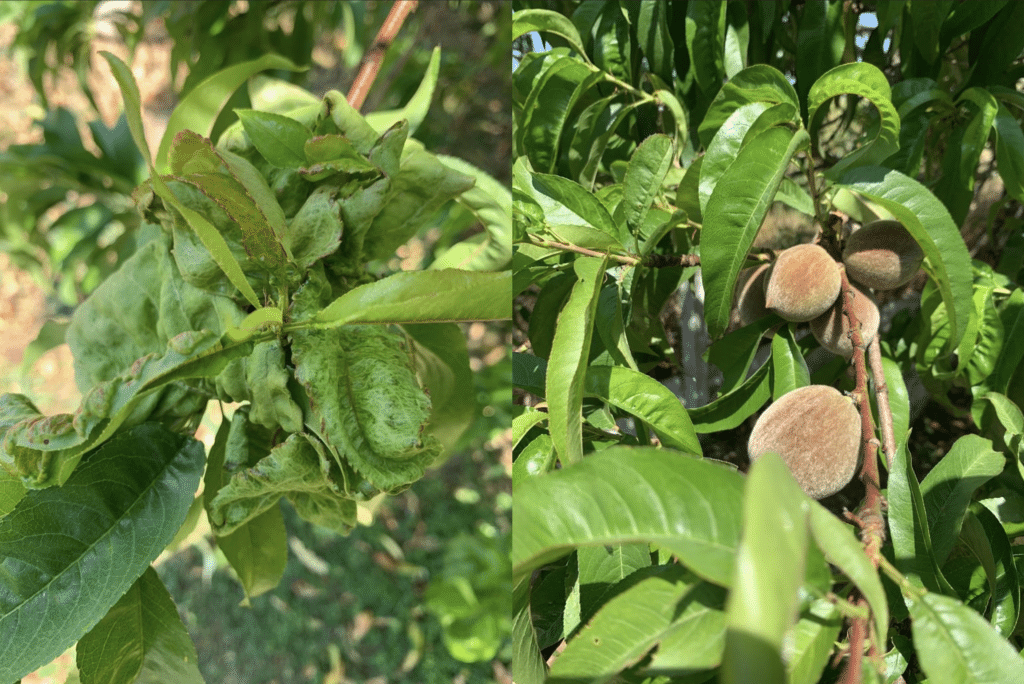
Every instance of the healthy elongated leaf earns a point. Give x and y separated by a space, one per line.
735 212
956 644
697 638
948 487
140 639
415 110
69 553
547 21
1010 152
734 407
527 662
648 400
757 83
924 216
789 369
198 110
567 204
988 533
705 41
976 133
899 400
842 549
568 360
867 81
724 147
806 651
548 106
688 506
819 43
423 297
644 176
651 604
909 525
770 562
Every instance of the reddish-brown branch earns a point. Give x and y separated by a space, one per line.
869 517
375 55
858 628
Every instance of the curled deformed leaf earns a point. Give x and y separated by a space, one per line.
366 402
316 230
292 468
272 404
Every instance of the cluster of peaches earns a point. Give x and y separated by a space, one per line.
817 429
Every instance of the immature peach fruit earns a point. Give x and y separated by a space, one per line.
750 294
816 431
803 283
882 255
832 328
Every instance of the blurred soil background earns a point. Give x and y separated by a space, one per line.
349 609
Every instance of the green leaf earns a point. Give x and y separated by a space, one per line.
548 106
417 192
652 33
1003 580
909 527
976 132
789 369
547 21
956 644
732 408
199 109
757 83
899 400
280 139
315 231
140 639
442 364
820 43
644 177
1010 152
211 239
867 81
527 662
258 549
807 649
705 41
688 506
735 212
491 203
567 204
570 350
946 258
948 487
423 297
260 242
843 549
724 147
648 400
769 572
81 542
415 110
652 606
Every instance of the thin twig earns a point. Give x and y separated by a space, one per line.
375 55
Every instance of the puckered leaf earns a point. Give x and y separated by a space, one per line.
294 468
366 403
